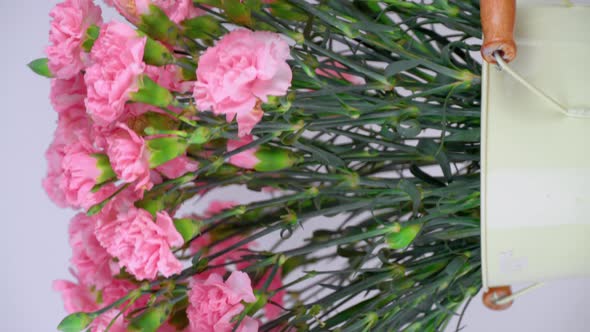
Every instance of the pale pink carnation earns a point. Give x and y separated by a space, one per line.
243 67
213 303
176 10
71 176
118 63
216 207
170 77
177 167
83 298
76 297
246 159
141 245
68 93
75 126
353 79
70 20
129 156
91 260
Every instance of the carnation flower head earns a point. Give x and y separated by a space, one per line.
170 77
68 93
72 174
245 159
213 303
177 167
245 67
129 156
91 260
141 245
70 20
176 10
117 57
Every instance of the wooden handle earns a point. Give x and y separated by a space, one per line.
497 19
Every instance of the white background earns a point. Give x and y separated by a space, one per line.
33 237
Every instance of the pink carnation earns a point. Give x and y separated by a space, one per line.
70 20
82 298
353 79
213 303
216 207
72 174
246 159
177 167
118 63
176 10
76 297
271 310
141 245
129 157
74 126
244 67
170 77
68 93
91 260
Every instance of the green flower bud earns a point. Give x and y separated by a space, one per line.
404 237
164 149
151 319
158 26
155 53
75 322
202 27
151 93
200 136
188 228
40 67
274 159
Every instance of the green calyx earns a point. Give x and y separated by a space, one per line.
40 67
157 25
92 34
274 159
104 166
404 237
151 93
75 322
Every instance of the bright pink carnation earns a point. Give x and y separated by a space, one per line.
70 20
91 260
141 245
68 93
176 10
71 176
246 159
244 67
129 157
213 303
118 63
177 167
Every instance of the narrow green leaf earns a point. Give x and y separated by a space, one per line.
400 66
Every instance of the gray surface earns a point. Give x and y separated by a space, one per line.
34 249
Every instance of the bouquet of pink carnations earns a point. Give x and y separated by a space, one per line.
352 127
